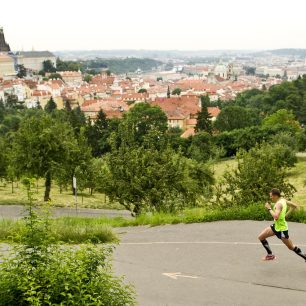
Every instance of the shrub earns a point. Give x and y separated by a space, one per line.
39 272
145 179
259 170
247 138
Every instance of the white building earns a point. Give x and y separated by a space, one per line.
33 60
221 70
7 66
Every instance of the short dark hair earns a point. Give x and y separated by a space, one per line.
275 192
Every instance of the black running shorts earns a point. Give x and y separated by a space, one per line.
280 235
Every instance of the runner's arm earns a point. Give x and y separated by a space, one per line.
275 214
292 207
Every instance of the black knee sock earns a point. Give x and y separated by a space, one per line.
299 252
265 244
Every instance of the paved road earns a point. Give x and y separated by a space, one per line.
220 264
17 211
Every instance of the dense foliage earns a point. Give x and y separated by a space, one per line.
288 95
40 272
137 160
263 166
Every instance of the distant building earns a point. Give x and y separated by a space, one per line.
221 70
33 60
7 66
73 78
4 47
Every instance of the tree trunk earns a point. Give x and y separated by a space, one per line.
12 186
137 210
47 187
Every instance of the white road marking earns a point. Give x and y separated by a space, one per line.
176 275
203 242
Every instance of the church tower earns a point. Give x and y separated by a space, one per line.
4 47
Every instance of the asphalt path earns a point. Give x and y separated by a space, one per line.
17 211
217 263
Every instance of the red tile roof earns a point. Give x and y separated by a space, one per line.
214 111
178 107
188 133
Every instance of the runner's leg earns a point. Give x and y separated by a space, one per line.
293 248
266 233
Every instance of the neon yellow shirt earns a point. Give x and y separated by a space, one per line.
281 223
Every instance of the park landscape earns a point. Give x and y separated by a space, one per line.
140 167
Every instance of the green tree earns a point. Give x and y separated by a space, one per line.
140 121
67 106
55 76
88 78
98 133
50 106
236 117
68 65
48 67
41 146
142 90
10 124
22 71
3 157
79 159
203 148
2 110
12 102
204 123
250 70
281 117
146 179
77 119
259 170
177 91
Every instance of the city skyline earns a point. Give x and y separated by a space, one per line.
238 25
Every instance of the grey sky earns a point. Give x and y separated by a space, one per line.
159 24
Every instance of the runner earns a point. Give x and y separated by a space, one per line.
280 226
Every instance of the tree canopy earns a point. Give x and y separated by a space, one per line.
41 146
204 123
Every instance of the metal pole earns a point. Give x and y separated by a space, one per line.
75 193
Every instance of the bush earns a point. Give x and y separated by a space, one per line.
233 141
62 277
259 170
145 179
202 148
39 272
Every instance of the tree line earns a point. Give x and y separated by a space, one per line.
138 161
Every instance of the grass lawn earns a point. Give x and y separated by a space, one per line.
64 199
297 178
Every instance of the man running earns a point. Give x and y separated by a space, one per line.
280 226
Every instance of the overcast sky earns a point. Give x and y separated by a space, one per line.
155 24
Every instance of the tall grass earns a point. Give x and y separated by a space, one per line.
64 230
99 230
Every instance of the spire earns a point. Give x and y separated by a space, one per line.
4 47
168 92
